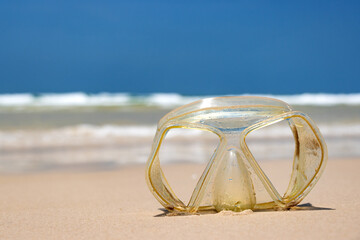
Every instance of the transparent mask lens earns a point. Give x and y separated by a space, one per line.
273 148
192 148
288 153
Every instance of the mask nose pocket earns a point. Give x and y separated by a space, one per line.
233 188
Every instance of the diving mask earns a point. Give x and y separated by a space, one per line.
233 179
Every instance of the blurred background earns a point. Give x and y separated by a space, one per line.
83 83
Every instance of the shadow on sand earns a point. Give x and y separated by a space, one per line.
300 207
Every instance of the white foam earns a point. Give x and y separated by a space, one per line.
121 145
169 99
91 132
16 99
111 131
163 100
320 99
77 99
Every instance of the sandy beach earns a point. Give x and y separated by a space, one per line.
117 204
242 104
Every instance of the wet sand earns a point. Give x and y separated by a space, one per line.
50 119
117 204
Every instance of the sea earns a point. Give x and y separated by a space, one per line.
50 131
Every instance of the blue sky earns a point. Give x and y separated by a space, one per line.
189 47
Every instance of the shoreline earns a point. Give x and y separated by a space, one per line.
117 204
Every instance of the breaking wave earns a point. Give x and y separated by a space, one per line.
24 101
114 146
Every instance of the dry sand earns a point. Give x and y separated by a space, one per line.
118 205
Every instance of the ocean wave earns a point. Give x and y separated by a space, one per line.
112 145
85 133
319 99
163 100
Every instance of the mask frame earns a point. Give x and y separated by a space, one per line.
219 116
